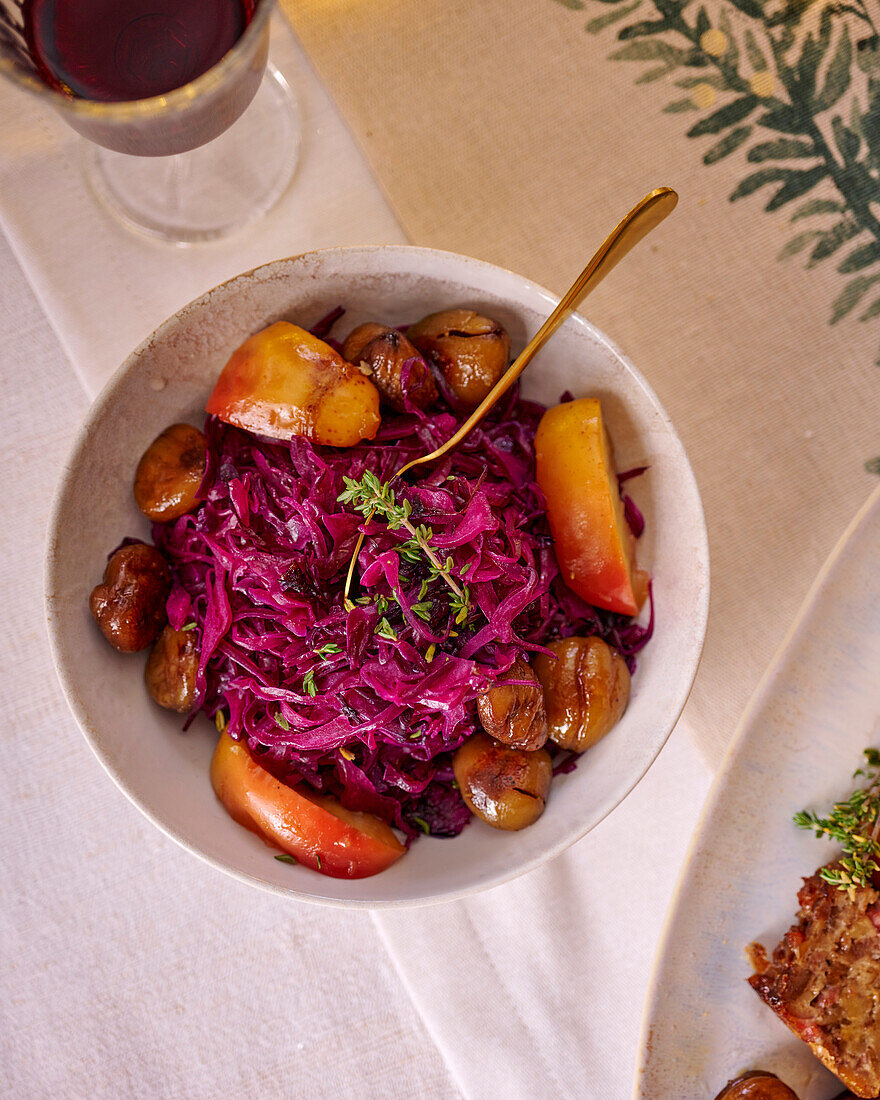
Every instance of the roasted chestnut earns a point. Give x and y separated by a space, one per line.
469 350
384 351
170 472
513 713
171 669
756 1085
129 604
586 689
507 788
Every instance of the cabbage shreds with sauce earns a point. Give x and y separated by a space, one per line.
368 703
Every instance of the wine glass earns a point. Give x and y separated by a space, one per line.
193 163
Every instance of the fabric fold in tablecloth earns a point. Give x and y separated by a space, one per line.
536 988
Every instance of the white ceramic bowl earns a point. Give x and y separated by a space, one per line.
168 378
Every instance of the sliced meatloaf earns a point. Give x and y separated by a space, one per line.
824 980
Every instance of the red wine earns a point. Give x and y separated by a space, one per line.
116 50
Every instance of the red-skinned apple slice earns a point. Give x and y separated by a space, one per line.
315 829
283 381
594 545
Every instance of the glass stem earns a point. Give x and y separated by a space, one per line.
176 179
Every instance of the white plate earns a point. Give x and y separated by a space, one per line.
169 378
799 742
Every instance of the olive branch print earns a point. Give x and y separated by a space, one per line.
796 86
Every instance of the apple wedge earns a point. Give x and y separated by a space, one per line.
594 546
315 829
284 381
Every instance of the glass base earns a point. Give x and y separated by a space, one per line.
212 191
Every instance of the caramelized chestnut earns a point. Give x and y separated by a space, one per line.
469 350
513 713
384 351
170 472
129 604
586 689
359 337
171 669
756 1085
507 788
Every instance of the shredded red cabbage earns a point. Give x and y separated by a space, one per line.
322 328
631 512
312 688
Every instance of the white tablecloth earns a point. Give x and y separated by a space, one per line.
129 968
132 969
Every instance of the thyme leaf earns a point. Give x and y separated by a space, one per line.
386 630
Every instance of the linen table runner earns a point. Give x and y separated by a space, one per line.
520 132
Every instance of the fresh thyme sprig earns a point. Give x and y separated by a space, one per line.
855 825
370 496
